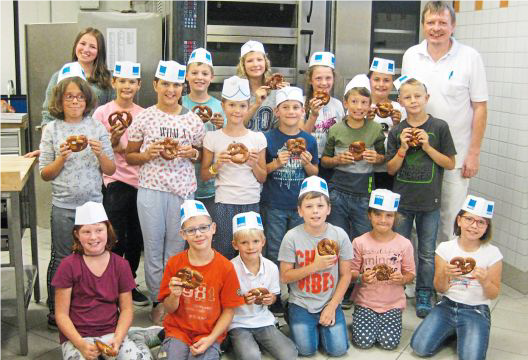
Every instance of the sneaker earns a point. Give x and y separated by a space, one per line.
149 336
423 303
52 324
138 298
157 314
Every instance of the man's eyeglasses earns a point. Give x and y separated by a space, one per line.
192 231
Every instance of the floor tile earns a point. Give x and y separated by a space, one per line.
511 292
8 330
495 354
446 353
513 304
508 340
37 346
511 320
51 355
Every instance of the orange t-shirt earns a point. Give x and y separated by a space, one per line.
200 308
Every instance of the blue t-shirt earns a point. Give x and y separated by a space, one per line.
205 189
282 186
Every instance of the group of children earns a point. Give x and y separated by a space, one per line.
148 198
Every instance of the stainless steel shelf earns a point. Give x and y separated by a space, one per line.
395 31
389 51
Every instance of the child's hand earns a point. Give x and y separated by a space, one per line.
405 137
249 298
268 299
116 132
480 274
424 139
64 151
315 106
396 278
186 151
396 117
217 120
153 150
370 156
327 317
261 94
32 154
324 262
345 158
306 158
283 157
201 345
283 85
452 271
253 158
96 146
175 286
368 276
115 343
89 351
223 158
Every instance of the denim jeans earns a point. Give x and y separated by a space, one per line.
246 343
470 324
426 229
306 331
349 212
175 349
276 223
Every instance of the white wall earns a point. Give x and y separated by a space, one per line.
8 49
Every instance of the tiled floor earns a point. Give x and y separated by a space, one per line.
509 333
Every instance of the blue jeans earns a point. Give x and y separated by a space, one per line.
470 324
426 229
276 223
306 331
349 212
246 343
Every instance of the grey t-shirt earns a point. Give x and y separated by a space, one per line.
264 119
80 180
298 247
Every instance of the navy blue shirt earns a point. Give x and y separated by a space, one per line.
282 186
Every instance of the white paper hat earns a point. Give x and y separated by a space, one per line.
384 66
246 221
127 70
171 71
90 213
322 58
314 183
202 56
404 78
383 199
479 206
69 70
251 45
191 208
289 93
358 81
236 89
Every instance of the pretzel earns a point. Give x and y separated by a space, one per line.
123 117
384 110
203 111
465 265
327 247
414 141
274 81
383 272
357 148
296 146
322 96
170 149
239 153
77 143
259 293
371 113
105 349
190 278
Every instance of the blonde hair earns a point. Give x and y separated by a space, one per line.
245 233
241 70
199 64
413 81
308 88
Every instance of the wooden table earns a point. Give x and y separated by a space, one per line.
18 189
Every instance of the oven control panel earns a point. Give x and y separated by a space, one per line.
188 28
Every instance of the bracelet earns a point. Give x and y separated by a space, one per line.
213 170
400 155
195 158
359 279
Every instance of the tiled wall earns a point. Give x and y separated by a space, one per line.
499 31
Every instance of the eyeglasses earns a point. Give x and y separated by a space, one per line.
468 220
70 97
192 231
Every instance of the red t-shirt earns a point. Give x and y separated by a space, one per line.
94 300
200 308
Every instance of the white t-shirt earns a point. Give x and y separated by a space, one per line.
453 82
255 316
466 289
329 115
235 183
389 124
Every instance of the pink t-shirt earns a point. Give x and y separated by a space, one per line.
94 299
124 172
176 176
381 296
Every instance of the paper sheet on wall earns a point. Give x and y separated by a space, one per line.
121 45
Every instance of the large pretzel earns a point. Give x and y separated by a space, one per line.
466 265
77 143
357 148
296 146
190 278
203 111
384 109
274 81
239 153
170 149
327 247
123 117
322 96
259 293
414 141
105 349
383 272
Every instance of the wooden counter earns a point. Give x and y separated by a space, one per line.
15 171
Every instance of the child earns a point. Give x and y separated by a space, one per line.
163 184
120 197
286 170
93 291
255 66
379 296
200 73
237 185
76 176
253 324
380 76
353 179
464 309
317 283
418 174
197 319
320 118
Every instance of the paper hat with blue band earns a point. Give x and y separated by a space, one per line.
384 66
236 89
191 208
383 199
289 93
73 69
171 71
246 221
250 46
314 183
90 213
200 55
127 70
358 81
322 58
404 78
479 206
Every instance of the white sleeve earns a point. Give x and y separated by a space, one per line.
478 87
